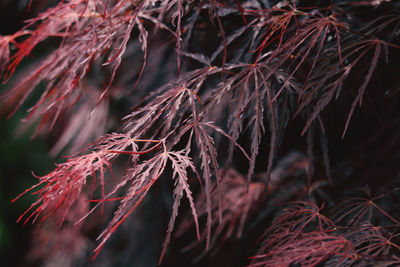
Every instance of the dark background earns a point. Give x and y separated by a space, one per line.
19 154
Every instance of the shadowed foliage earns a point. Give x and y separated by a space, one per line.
259 120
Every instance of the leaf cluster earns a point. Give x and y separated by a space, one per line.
230 104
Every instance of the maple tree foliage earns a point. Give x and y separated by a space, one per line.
251 114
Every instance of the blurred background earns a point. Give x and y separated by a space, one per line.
19 154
